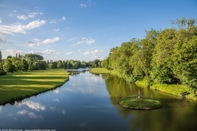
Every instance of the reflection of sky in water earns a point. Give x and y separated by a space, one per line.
86 84
33 105
83 103
56 91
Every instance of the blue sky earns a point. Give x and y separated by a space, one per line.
82 29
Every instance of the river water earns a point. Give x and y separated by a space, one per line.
89 102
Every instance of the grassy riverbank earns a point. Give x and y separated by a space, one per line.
99 70
173 89
19 85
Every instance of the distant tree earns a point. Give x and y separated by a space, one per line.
59 64
33 57
8 66
40 65
1 61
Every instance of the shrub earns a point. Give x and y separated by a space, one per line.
2 73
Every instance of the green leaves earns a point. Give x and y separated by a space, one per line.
168 56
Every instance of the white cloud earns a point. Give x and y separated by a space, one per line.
33 105
56 30
33 14
57 20
79 50
45 52
30 15
72 39
0 20
69 53
34 42
18 28
87 53
13 52
85 40
93 52
49 41
14 11
52 22
37 42
83 5
63 18
22 17
90 41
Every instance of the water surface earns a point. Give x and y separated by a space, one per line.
90 102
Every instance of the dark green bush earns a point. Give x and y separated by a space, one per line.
2 73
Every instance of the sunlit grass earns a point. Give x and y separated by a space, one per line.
19 85
99 70
143 103
174 89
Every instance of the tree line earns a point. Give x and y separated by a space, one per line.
166 56
30 62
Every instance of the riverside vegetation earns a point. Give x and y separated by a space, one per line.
24 76
164 60
20 85
173 89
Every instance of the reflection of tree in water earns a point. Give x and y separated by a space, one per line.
175 114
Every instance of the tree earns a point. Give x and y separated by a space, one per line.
8 66
185 63
0 61
162 58
59 64
33 57
145 53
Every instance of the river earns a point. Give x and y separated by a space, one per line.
89 102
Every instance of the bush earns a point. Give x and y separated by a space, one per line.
2 73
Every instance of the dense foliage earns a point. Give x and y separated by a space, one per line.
30 62
165 56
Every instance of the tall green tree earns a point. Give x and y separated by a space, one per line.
8 66
162 59
1 61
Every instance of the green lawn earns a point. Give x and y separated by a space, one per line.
99 70
133 102
19 85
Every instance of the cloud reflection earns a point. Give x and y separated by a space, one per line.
0 109
56 91
30 114
33 105
63 112
57 100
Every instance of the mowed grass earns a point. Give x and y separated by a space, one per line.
143 103
99 70
17 86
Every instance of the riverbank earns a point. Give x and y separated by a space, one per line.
173 89
20 85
